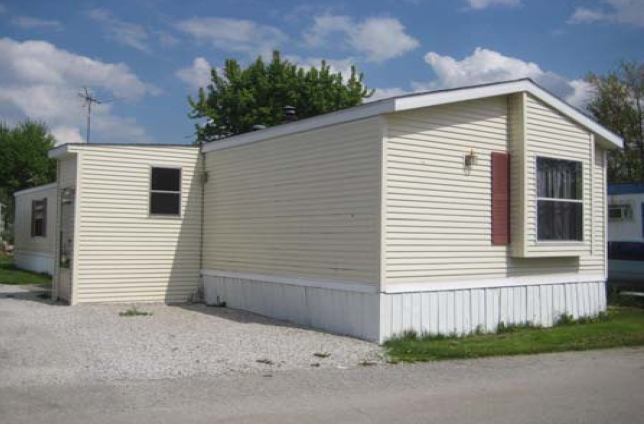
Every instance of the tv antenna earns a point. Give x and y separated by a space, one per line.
88 100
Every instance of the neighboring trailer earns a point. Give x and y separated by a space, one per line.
626 234
417 213
112 246
35 228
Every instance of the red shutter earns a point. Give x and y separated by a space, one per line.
500 198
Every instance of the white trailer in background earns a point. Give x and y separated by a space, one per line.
35 228
626 233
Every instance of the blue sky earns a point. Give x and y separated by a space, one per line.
151 54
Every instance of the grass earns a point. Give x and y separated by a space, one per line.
9 274
134 312
622 326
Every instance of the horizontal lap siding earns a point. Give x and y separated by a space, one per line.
305 205
123 253
438 214
550 134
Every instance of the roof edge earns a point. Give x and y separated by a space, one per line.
35 189
67 148
420 100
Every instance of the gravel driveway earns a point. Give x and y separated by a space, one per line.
42 343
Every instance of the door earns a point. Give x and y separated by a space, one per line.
66 245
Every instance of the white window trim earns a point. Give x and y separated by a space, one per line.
150 191
537 199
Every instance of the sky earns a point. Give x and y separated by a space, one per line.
150 55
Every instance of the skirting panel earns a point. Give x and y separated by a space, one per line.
338 311
35 262
464 311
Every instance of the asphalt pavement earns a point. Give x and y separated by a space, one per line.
582 387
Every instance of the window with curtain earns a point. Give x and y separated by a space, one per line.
39 218
559 200
165 193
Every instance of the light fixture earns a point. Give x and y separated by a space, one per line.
470 158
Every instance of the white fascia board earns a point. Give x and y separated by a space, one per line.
35 189
459 95
359 112
398 104
59 152
574 114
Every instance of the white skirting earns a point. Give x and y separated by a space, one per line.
34 261
377 316
464 311
338 311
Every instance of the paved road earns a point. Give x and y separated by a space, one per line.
589 387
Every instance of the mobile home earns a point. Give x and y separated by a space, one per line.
626 234
35 228
441 212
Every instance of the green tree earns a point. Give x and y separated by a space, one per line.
618 105
239 98
23 159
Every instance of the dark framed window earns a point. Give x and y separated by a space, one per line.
39 218
165 191
559 200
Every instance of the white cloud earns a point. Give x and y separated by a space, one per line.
166 39
197 75
40 81
582 93
378 39
3 8
484 66
64 134
629 12
235 35
484 4
583 15
385 93
127 33
29 22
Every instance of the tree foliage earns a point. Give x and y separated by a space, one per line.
238 98
23 159
618 105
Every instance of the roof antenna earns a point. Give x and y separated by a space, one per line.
88 99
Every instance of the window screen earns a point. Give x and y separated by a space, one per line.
165 193
559 199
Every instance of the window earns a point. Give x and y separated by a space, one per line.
619 212
165 191
39 218
559 200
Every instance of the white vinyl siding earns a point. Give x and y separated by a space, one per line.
438 213
23 240
124 254
550 134
305 205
